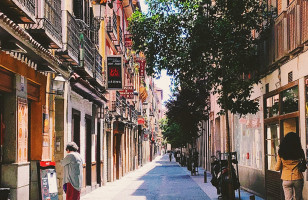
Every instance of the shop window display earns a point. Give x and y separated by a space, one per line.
248 139
290 100
272 106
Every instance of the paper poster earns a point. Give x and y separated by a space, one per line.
52 182
22 127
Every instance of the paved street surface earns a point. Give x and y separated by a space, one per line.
158 180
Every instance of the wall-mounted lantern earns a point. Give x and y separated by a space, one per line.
58 85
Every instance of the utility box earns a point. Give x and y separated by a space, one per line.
48 181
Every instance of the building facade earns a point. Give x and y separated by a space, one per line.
56 76
282 105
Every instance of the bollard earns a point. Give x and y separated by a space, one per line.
205 177
252 197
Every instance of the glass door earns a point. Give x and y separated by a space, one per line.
272 145
272 181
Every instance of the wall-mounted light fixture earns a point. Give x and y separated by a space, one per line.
58 85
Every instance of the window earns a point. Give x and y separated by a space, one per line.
272 106
290 100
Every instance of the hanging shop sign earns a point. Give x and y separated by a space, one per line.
141 62
128 42
114 75
140 121
127 92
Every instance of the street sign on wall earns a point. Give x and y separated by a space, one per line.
114 72
127 92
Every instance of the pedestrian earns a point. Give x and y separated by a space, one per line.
289 153
73 169
170 156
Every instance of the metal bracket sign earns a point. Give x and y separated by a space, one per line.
127 92
128 42
114 72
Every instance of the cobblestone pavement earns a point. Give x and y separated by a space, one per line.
158 180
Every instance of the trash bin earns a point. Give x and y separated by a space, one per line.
4 193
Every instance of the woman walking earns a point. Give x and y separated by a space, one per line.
289 153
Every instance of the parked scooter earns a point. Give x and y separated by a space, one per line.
220 177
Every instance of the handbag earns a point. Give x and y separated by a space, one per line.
302 165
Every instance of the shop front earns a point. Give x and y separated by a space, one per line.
281 116
24 139
248 143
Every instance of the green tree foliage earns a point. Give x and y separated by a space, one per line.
202 40
172 133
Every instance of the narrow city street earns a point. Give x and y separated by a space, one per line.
158 180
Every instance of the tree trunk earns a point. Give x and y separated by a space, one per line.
231 193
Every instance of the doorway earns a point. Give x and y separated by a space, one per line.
275 132
76 127
108 142
98 155
88 150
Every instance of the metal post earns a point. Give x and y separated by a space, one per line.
205 177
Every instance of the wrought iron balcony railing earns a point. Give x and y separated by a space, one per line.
112 27
119 46
20 11
98 68
70 49
88 62
48 27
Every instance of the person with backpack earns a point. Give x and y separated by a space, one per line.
289 158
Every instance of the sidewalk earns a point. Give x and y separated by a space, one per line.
155 180
210 190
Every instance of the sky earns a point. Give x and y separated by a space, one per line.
164 82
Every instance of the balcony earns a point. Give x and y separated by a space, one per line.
98 79
48 28
70 49
86 65
20 11
119 44
124 108
281 47
293 27
116 106
304 22
112 27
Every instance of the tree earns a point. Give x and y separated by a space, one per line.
205 40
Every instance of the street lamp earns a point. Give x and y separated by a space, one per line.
58 84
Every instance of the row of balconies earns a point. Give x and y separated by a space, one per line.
290 32
121 108
56 29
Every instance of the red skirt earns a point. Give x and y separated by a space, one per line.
72 193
